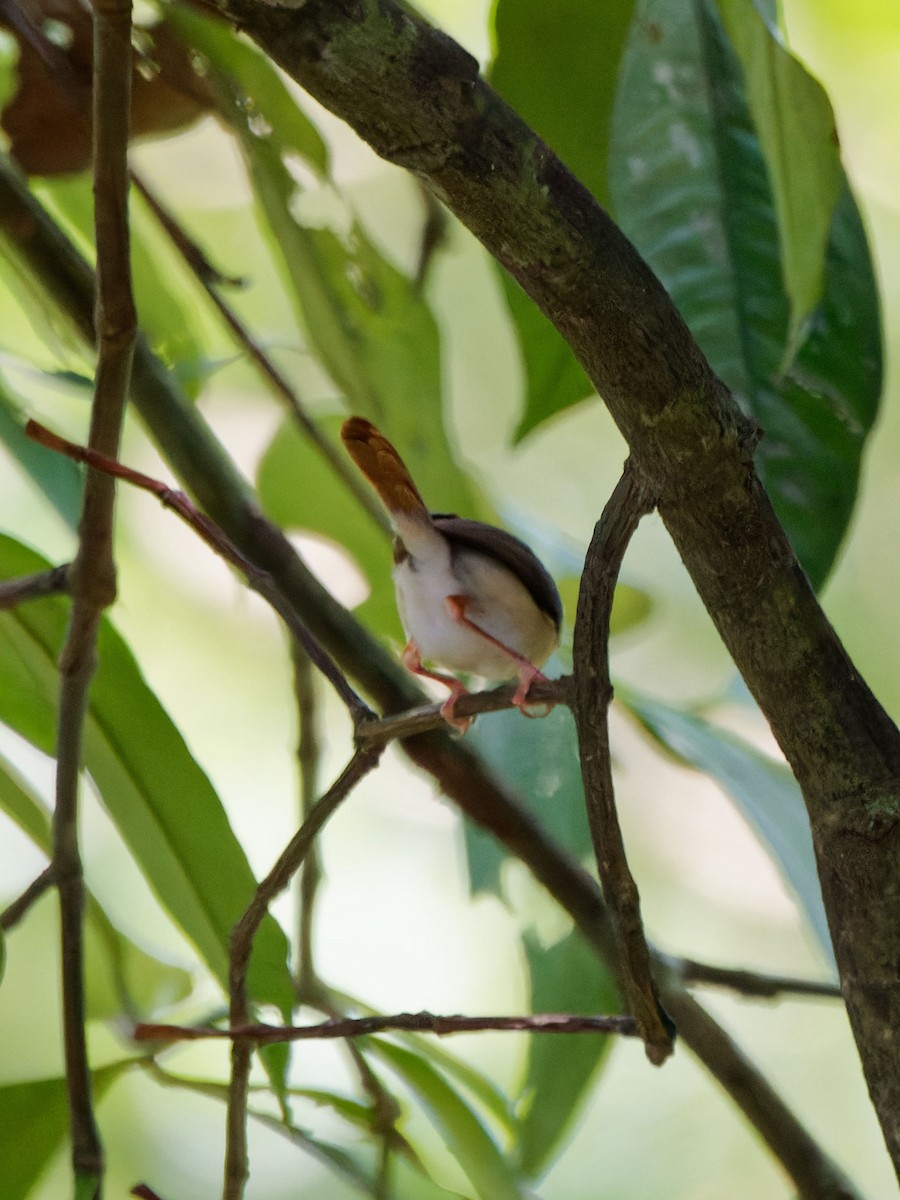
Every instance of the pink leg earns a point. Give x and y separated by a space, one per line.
528 672
412 660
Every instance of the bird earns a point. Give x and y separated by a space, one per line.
472 598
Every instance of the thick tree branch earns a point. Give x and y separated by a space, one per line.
416 97
198 459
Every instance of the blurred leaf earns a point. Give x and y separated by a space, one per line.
538 759
34 1120
763 789
48 120
298 490
692 192
566 977
631 605
167 299
460 1128
161 801
366 321
538 46
58 478
798 139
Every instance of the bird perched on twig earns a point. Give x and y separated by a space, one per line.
471 597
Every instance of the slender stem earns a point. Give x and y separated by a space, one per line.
93 570
751 983
242 937
593 693
33 587
421 1022
308 759
17 909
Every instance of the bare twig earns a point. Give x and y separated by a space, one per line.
308 760
32 587
243 934
93 570
427 717
422 1022
593 692
260 581
16 910
752 983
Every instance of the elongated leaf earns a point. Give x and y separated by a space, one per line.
764 790
460 1127
539 760
366 321
798 140
691 190
166 298
34 1119
121 977
566 977
162 802
539 46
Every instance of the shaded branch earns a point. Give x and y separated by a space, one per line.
752 983
629 502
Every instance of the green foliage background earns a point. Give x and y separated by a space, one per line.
416 914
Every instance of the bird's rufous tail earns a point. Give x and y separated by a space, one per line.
383 467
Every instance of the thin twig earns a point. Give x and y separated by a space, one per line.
210 278
242 937
309 753
259 580
593 692
16 909
752 983
422 1022
93 570
427 717
33 587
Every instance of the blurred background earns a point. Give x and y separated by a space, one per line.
396 924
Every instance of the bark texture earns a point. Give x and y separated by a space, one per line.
417 99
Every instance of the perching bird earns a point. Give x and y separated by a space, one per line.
471 597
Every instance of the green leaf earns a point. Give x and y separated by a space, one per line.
34 1121
764 791
161 801
461 1129
167 299
366 321
539 761
538 45
566 977
798 139
692 192
58 477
